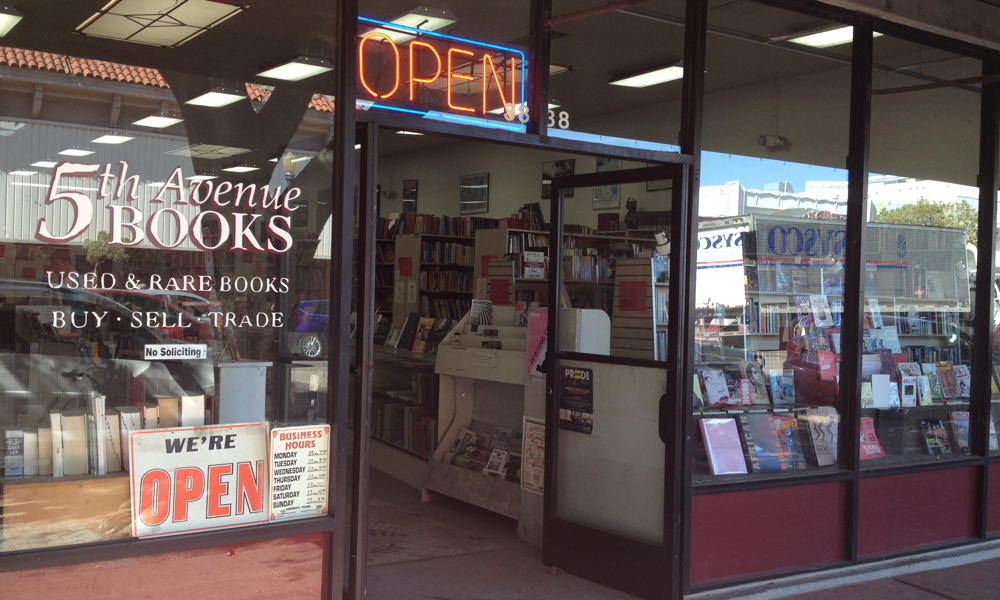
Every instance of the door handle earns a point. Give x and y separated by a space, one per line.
661 418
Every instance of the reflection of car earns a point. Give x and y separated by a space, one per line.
67 343
312 321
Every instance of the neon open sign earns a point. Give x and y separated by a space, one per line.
440 76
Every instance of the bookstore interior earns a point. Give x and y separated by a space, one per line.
205 310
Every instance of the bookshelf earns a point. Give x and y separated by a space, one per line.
639 321
433 275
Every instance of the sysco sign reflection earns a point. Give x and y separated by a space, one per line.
813 242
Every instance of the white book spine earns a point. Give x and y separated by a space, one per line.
55 420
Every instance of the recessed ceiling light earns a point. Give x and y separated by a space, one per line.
357 146
112 139
23 173
157 121
298 69
648 78
827 38
44 164
240 169
8 19
558 69
217 98
157 22
300 159
422 18
405 132
201 177
76 152
208 151
274 160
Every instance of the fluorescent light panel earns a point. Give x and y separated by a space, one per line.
421 17
654 77
217 98
157 121
298 69
157 22
828 38
23 173
112 139
8 19
201 177
44 164
76 152
300 159
240 169
405 132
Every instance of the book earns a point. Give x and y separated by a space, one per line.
168 410
870 447
45 450
496 466
924 396
910 369
743 392
698 388
13 449
875 312
948 379
534 265
481 313
822 423
935 437
75 455
964 379
716 390
960 429
97 439
422 334
393 338
931 371
409 331
783 386
30 452
56 421
754 374
772 443
820 310
113 440
130 419
881 396
150 416
890 339
908 390
192 411
722 445
827 364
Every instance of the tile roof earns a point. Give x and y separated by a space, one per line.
109 71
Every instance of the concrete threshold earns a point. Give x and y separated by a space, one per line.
806 583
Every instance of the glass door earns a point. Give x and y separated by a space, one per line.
611 453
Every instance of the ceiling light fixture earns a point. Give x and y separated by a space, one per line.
298 69
555 69
9 17
300 159
648 78
201 177
424 18
825 38
157 22
44 164
241 169
157 121
112 139
76 152
405 132
217 98
23 173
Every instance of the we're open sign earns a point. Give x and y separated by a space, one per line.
198 478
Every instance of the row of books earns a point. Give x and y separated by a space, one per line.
419 333
447 253
586 268
385 253
743 384
446 281
529 216
520 242
443 225
408 418
447 308
915 384
92 441
662 305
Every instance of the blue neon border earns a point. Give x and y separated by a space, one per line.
442 116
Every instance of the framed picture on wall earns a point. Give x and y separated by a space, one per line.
409 196
474 194
607 197
556 168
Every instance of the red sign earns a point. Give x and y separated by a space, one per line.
632 295
405 266
500 291
433 74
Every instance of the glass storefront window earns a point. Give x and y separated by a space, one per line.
919 257
164 272
772 235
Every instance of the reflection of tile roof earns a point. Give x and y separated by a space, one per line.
109 71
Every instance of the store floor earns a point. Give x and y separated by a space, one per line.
448 550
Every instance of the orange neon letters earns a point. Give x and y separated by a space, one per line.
414 79
488 68
361 64
452 75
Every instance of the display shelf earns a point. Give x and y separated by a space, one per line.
474 487
639 305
